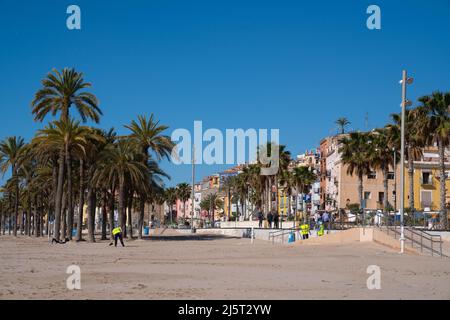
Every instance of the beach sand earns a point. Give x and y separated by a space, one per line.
177 266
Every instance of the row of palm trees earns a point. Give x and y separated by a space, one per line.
68 165
427 124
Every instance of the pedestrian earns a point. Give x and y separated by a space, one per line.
276 219
269 219
260 216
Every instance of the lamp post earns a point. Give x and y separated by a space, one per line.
193 191
395 179
405 80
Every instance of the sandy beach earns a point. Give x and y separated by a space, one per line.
177 266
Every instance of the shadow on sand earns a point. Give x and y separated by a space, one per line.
187 237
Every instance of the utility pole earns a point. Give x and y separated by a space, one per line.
193 191
405 80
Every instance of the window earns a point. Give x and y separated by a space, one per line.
372 175
367 195
380 197
426 178
391 175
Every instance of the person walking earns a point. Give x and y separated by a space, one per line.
276 219
260 216
269 219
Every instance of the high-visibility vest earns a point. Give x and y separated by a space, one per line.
320 231
304 228
117 231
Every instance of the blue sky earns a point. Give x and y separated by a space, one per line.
292 65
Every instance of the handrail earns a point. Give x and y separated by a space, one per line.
281 232
422 235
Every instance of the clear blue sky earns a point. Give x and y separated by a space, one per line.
292 65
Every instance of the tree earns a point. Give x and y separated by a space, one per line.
302 179
60 91
436 129
148 135
120 164
184 193
11 149
382 157
342 123
355 150
170 195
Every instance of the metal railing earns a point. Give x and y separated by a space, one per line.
419 238
281 233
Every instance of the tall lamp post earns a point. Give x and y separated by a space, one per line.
405 80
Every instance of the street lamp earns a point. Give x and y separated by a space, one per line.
405 80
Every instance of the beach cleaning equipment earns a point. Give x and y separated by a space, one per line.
146 231
74 232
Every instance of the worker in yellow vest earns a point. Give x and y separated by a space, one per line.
117 234
305 231
320 231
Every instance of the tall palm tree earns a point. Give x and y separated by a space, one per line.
382 157
120 164
70 138
170 195
60 91
148 135
302 179
184 193
414 141
437 130
355 150
342 123
11 149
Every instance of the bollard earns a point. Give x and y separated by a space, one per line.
252 235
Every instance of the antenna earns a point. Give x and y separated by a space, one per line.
366 121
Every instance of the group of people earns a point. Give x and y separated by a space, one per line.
273 219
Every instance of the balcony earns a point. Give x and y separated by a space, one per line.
427 181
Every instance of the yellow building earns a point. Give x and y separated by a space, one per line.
427 182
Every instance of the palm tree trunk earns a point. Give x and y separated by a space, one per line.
229 204
35 218
104 214
442 195
58 197
386 189
91 197
81 203
411 180
121 221
16 203
360 192
69 195
64 216
28 218
111 213
141 216
130 218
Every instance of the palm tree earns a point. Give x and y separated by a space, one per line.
61 90
70 138
170 194
148 135
121 165
302 178
211 203
184 193
382 157
355 150
10 153
342 123
414 141
436 128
